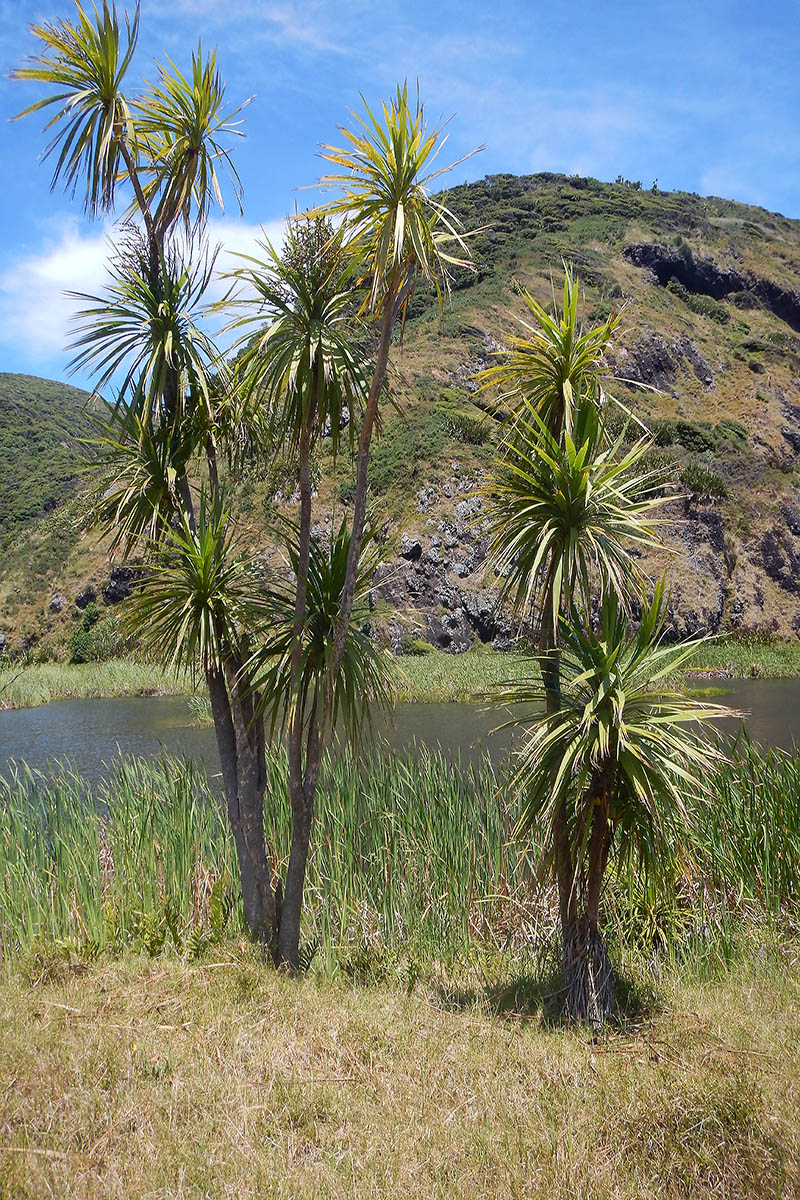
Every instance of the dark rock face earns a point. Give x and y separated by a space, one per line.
87 596
650 362
695 359
121 584
656 362
410 548
450 632
791 430
780 558
58 602
706 278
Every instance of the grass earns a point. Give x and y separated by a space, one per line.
164 1078
413 868
749 658
24 686
443 677
432 677
148 1051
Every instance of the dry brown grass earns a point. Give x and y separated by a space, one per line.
157 1079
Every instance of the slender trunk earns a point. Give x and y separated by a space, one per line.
185 493
243 798
301 800
589 977
550 666
362 467
213 469
133 175
302 795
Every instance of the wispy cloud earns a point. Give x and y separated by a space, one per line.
306 26
36 307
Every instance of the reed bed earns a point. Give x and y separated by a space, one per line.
413 868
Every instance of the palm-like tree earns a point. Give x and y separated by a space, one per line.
201 608
301 690
94 128
620 759
400 232
555 364
298 374
167 144
571 506
567 512
146 331
184 131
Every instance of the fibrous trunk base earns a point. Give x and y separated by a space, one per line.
588 977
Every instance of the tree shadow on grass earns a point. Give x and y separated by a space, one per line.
538 995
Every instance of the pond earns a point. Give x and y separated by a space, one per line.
89 734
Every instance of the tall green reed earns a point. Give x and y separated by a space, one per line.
412 859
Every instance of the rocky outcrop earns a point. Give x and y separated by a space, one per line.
704 277
654 361
121 584
87 595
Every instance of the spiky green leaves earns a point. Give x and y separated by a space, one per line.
200 597
620 737
363 682
570 513
146 330
85 61
185 130
398 228
555 365
139 469
168 142
299 365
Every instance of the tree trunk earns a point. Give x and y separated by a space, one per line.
301 798
302 795
588 977
244 800
362 468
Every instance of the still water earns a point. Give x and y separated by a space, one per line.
89 734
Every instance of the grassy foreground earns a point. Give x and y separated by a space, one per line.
162 1079
147 1051
427 677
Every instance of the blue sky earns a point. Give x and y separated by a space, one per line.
702 96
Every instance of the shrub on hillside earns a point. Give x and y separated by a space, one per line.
703 483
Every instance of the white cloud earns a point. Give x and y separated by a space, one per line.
35 305
34 309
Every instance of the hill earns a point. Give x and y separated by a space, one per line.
711 291
41 424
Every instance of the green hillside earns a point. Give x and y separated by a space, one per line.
711 296
41 424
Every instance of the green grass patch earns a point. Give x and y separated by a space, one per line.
748 658
413 867
38 683
444 677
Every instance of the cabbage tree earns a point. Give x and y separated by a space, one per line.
400 232
619 761
165 145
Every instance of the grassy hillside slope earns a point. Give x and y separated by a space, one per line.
711 295
41 424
